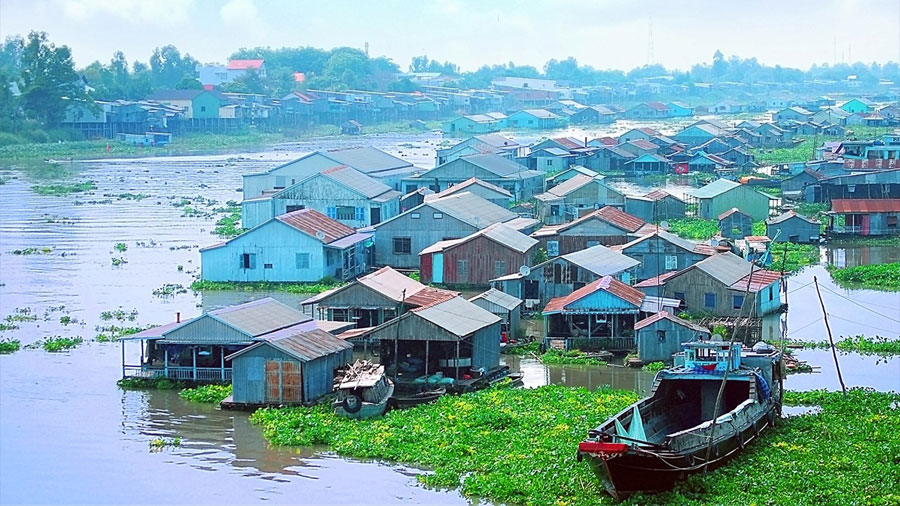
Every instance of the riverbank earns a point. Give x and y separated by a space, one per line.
38 155
516 446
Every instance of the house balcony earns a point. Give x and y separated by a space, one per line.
179 373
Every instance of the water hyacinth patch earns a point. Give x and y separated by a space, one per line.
57 344
875 276
8 346
654 366
206 393
326 285
511 445
64 189
571 357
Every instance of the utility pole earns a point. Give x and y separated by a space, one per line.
837 365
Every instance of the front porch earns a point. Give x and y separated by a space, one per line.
180 362
591 330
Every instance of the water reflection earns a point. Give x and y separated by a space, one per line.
591 377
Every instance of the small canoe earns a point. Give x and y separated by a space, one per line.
409 400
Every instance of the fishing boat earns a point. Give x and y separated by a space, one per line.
659 440
403 400
363 391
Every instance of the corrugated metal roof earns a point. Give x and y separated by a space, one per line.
356 180
507 236
260 316
540 113
865 205
312 222
499 298
665 236
566 187
471 209
244 64
469 182
732 211
347 241
303 346
653 303
601 260
495 164
715 188
643 144
788 215
521 223
761 279
608 284
497 140
656 280
659 195
457 316
429 295
391 283
665 315
440 246
727 268
367 159
619 218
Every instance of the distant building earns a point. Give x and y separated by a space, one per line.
534 118
239 68
661 252
858 105
735 224
864 217
513 177
661 335
655 206
479 145
606 226
565 201
721 195
793 227
648 110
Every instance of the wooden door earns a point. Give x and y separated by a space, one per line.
291 384
273 381
864 230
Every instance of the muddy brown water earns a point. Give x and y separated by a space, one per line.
68 434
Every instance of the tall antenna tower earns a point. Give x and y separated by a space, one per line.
367 49
650 42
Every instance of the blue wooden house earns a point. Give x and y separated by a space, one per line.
735 224
341 193
705 162
300 246
535 118
472 124
661 335
297 368
662 252
793 227
655 206
679 110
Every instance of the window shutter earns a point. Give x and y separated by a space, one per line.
332 212
253 260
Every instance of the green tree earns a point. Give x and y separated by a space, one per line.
189 83
49 80
168 67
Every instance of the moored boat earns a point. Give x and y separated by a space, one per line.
402 400
363 391
659 440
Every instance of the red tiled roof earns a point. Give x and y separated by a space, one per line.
568 143
865 205
664 315
429 296
606 283
245 64
649 131
619 218
311 221
659 195
609 141
658 106
760 280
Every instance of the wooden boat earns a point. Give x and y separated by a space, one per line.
668 433
411 399
363 391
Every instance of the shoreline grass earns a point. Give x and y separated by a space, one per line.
264 286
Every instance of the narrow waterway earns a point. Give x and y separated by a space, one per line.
70 435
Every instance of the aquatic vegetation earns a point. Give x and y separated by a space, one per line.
415 275
68 320
759 228
118 261
774 156
227 226
571 357
868 241
8 346
866 345
169 290
693 228
64 189
121 247
127 196
120 315
55 344
654 366
201 285
813 210
160 443
793 257
799 461
137 383
533 347
876 276
213 394
39 250
23 314
110 333
514 446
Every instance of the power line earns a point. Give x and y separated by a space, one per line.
862 306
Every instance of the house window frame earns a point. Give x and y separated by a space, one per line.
737 302
405 244
707 297
302 260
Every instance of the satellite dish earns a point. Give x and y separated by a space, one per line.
664 225
524 270
320 235
369 243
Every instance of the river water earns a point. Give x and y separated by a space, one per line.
68 434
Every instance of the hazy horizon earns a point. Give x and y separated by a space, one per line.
605 34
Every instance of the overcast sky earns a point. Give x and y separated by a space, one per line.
470 33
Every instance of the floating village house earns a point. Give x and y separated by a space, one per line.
721 195
479 145
474 260
453 337
562 275
661 335
197 349
300 246
603 309
376 164
648 110
735 224
655 206
373 299
535 118
607 226
473 124
492 193
513 177
875 184
507 307
864 217
718 284
342 193
661 251
793 227
399 240
297 368
573 197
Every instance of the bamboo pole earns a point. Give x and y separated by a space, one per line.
837 365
